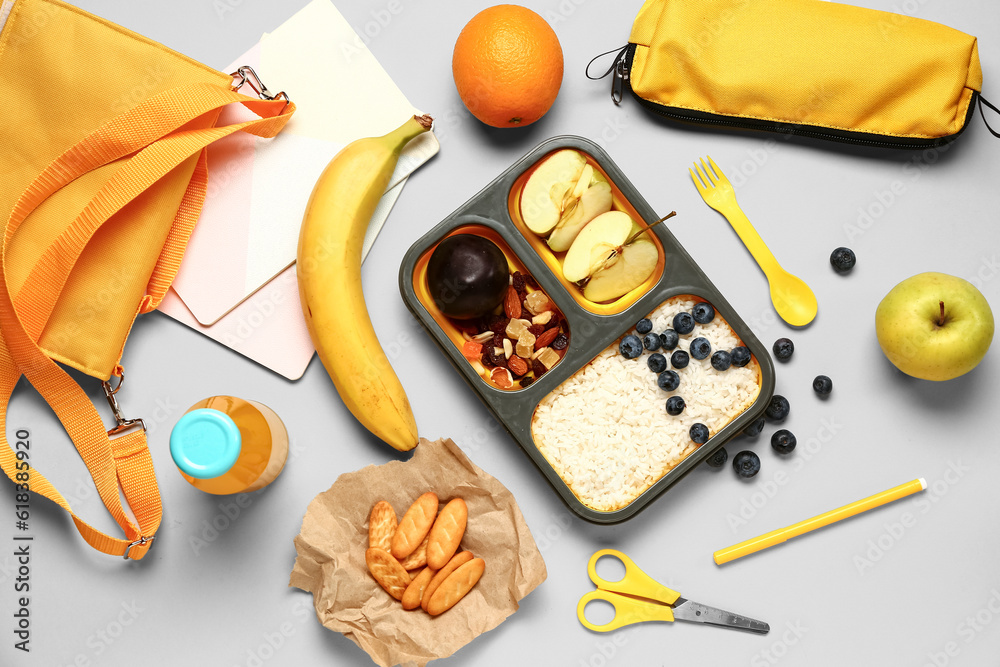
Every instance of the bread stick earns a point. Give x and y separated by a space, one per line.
381 526
387 571
415 591
418 558
456 562
414 525
446 533
456 586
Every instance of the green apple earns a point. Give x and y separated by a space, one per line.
934 326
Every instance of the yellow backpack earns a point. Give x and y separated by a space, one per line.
104 174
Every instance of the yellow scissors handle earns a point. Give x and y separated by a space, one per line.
627 611
635 582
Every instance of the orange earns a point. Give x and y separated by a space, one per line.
508 66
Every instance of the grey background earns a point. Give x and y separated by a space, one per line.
915 583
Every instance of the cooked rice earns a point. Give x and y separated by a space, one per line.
605 430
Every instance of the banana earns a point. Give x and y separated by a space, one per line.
329 277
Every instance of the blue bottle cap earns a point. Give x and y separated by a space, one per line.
205 443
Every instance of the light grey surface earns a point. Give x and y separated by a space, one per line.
915 583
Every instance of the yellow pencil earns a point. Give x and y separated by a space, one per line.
761 542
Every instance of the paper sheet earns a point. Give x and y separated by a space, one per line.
268 327
248 236
331 556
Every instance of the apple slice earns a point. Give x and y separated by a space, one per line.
624 272
595 244
590 198
542 199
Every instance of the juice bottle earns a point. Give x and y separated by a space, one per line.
225 445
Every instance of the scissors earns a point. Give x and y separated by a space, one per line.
638 598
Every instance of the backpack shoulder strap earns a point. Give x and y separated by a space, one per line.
153 139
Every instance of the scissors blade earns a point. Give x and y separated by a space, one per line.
685 610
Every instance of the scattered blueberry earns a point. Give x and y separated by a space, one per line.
683 323
746 464
777 409
822 385
783 349
700 348
651 341
754 429
783 441
740 356
668 380
699 433
718 459
703 313
722 360
843 259
630 347
679 359
675 405
643 326
668 339
657 362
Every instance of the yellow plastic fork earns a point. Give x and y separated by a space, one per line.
794 302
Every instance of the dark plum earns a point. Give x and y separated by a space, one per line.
467 276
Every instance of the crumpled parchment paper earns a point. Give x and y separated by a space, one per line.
331 546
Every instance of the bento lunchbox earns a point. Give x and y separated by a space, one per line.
617 383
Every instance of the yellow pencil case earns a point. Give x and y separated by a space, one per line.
803 67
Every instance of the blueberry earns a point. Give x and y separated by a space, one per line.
675 405
699 433
718 459
651 341
679 359
657 362
630 347
783 349
754 429
703 313
741 356
783 441
822 385
746 464
668 339
643 326
668 380
843 259
683 323
700 348
722 360
777 409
